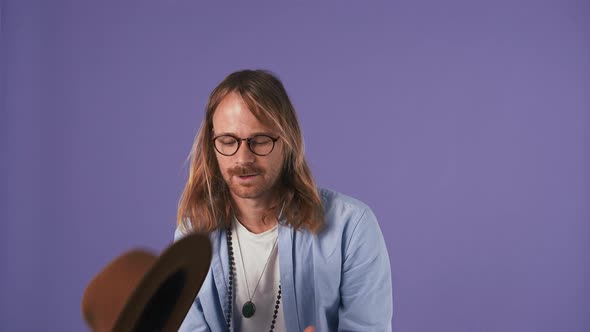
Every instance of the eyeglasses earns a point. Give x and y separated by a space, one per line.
260 145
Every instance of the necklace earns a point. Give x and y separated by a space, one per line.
249 309
232 269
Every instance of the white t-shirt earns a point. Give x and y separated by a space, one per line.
257 249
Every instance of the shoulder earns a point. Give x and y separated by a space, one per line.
182 231
345 216
341 208
349 225
332 197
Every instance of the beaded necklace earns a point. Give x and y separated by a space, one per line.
232 269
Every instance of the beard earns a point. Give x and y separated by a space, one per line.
262 183
249 191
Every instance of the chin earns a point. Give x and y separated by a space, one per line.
252 191
247 192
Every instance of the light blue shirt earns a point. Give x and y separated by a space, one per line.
337 280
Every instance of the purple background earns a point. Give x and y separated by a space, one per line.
464 125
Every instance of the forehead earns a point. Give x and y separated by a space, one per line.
233 116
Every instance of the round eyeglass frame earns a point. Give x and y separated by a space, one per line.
248 140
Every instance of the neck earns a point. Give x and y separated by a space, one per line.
257 215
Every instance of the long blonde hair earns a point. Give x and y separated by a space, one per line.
205 204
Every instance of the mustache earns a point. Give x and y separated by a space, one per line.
244 170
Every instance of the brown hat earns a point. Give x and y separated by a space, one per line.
139 291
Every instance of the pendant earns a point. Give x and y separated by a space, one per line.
248 309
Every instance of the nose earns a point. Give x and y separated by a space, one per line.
244 155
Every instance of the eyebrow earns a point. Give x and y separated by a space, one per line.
253 134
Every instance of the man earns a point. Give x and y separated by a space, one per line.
286 255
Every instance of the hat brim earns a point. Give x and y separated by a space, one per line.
165 294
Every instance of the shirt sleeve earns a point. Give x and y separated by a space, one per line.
366 289
195 319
